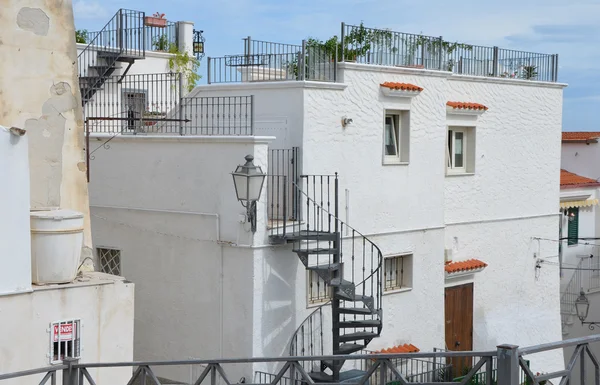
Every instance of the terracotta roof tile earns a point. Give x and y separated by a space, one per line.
571 179
402 86
467 106
406 348
470 264
579 136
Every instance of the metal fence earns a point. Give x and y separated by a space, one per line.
283 172
510 361
146 101
134 34
385 47
269 61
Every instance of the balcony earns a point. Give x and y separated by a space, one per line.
317 61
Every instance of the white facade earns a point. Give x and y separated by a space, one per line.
581 158
175 189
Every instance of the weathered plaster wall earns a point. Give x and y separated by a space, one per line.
39 92
169 205
582 159
105 307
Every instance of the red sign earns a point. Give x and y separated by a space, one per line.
67 331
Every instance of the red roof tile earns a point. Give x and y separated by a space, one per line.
402 86
470 264
467 106
579 136
569 179
406 348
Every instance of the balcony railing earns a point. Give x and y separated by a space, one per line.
388 48
147 100
137 35
269 61
315 60
511 368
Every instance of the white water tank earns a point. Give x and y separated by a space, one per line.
56 242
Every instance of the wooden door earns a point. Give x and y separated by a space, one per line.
459 325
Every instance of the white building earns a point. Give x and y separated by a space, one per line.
580 230
88 317
450 175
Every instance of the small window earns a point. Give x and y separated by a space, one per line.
397 273
110 260
396 137
460 153
318 290
65 340
573 230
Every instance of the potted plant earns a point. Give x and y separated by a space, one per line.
155 113
157 20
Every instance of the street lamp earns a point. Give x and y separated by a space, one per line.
582 306
248 181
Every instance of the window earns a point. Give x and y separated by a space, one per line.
318 290
396 137
397 273
65 340
460 153
110 260
134 106
573 230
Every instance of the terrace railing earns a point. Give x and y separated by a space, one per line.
385 47
132 32
269 61
510 361
153 104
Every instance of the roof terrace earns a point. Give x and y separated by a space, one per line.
317 60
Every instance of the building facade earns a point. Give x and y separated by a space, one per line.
408 187
44 167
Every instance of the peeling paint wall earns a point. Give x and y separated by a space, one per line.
39 92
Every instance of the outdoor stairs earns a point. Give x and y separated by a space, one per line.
349 334
108 62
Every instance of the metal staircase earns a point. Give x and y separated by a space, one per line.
348 262
121 40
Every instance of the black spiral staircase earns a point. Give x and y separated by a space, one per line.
346 261
122 40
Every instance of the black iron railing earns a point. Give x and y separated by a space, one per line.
308 340
136 97
137 35
123 35
269 61
384 47
284 171
510 362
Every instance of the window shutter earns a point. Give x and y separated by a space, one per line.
573 227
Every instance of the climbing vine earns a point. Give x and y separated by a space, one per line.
186 64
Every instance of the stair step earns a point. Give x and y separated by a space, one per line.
348 348
356 310
320 377
360 323
358 336
328 267
341 282
356 297
317 250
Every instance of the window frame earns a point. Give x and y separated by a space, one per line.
468 150
400 119
403 277
75 342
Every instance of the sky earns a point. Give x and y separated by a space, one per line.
570 28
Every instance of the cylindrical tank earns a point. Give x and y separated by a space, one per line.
56 242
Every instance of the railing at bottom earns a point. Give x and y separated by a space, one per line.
510 360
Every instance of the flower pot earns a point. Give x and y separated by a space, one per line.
151 21
150 123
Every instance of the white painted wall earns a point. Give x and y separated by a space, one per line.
15 240
582 159
169 204
104 305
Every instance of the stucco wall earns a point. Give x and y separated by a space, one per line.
278 108
582 159
169 205
40 93
15 240
105 307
